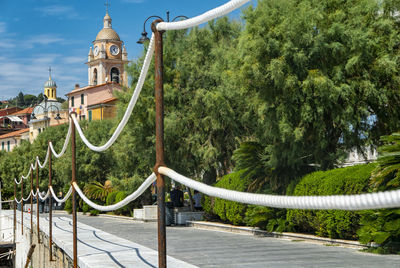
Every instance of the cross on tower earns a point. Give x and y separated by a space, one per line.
50 72
107 4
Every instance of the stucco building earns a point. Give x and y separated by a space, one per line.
48 112
106 73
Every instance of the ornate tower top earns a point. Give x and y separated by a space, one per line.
50 88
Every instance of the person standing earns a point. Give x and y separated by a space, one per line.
177 196
197 200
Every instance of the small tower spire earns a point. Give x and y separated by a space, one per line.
107 4
49 72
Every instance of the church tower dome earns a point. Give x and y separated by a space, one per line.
108 57
50 88
107 33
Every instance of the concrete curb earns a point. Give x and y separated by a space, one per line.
285 235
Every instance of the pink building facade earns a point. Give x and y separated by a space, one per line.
80 98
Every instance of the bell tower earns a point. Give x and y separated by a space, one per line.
50 88
107 57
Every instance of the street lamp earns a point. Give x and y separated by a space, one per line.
46 109
159 123
144 37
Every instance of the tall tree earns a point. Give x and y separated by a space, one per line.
201 108
319 77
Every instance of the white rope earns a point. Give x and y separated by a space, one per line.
128 111
40 196
67 138
65 197
34 167
389 199
27 175
122 203
34 194
45 160
16 200
17 181
207 16
29 196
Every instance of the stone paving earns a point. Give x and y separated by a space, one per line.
98 248
205 248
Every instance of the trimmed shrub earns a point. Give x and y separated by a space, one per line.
94 212
85 208
331 223
228 211
121 195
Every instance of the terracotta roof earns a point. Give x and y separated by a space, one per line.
91 87
104 101
14 133
28 110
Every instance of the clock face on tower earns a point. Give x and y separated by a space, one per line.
114 50
96 50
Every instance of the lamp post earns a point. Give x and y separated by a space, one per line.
159 122
144 37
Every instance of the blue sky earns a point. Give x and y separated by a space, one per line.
36 34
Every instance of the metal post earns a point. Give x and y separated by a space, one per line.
50 210
159 96
37 203
74 220
15 210
22 206
31 203
1 205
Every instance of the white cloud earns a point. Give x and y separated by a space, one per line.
16 74
60 11
73 59
3 27
7 43
42 39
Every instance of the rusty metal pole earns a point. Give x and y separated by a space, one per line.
37 203
22 206
159 96
74 220
50 210
15 210
31 204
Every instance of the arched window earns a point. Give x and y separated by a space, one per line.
115 75
95 76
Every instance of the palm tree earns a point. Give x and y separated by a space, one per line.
387 174
97 190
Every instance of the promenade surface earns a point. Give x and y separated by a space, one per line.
98 248
205 248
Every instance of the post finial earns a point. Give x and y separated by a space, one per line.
107 4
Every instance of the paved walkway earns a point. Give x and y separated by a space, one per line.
98 248
206 248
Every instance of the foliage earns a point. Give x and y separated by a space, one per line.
97 190
382 226
85 208
387 175
94 212
110 200
27 100
318 78
331 223
121 195
228 211
270 219
201 107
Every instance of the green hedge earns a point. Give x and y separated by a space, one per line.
228 211
331 223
